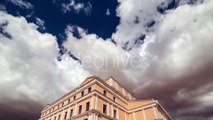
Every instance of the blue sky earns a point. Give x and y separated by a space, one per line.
157 49
56 20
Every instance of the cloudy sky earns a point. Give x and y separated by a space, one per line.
161 49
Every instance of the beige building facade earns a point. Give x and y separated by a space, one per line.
96 99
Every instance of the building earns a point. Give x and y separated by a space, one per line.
96 99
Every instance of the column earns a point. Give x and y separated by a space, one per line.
134 117
96 102
107 108
112 110
116 85
144 114
155 112
117 113
124 92
90 117
96 117
75 111
92 103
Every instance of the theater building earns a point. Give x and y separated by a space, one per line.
97 99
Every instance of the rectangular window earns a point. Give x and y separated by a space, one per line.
114 98
87 106
82 93
55 118
89 89
114 113
104 92
104 108
59 117
71 112
65 115
69 101
79 109
62 104
74 97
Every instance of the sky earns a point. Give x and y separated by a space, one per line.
159 49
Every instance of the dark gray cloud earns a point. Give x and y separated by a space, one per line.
30 75
174 62
20 110
173 65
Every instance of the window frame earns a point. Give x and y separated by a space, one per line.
79 109
104 92
87 106
104 110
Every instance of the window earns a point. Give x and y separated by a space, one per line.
62 104
104 108
114 113
79 109
87 106
104 92
59 117
55 118
69 101
114 98
65 115
74 97
89 89
71 112
82 93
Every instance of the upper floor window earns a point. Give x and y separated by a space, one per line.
69 100
87 106
114 113
104 92
104 108
89 89
79 109
74 97
55 118
59 117
71 112
62 104
82 93
65 115
114 98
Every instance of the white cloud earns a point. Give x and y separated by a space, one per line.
134 17
179 59
21 3
101 57
40 23
175 58
107 12
29 70
77 7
